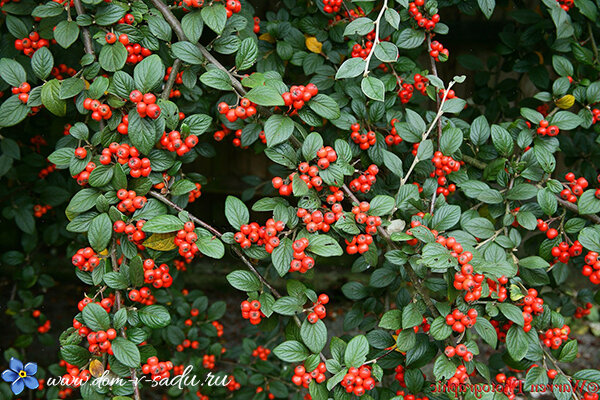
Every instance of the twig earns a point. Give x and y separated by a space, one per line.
377 24
85 32
171 81
594 47
218 234
176 26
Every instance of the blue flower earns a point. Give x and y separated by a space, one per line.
20 376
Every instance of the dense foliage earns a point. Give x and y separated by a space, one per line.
469 217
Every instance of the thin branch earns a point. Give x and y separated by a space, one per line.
377 24
215 232
411 272
85 32
171 80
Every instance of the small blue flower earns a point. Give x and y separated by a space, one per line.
20 376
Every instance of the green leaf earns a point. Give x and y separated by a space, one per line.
100 232
392 319
12 111
479 227
351 68
386 52
486 331
324 245
373 88
154 316
187 52
163 224
566 120
192 25
512 312
411 316
382 205
445 217
451 140
282 256
325 106
126 352
95 317
236 212
12 72
533 262
360 26
356 351
141 132
181 187
278 129
314 335
148 74
516 342
211 246
215 17
42 62
217 79
291 351
243 280
113 56
265 96
487 7
569 351
246 55
75 355
410 38
51 98
502 140
115 280
588 203
66 33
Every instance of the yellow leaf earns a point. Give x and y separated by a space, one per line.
565 102
313 44
160 241
267 38
396 346
96 368
540 57
104 252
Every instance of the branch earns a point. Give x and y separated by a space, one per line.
569 206
171 81
411 272
176 26
218 234
117 307
377 24
85 32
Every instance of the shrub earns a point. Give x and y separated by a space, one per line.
466 207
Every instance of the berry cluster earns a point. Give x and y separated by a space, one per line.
459 321
85 259
134 232
531 305
317 221
251 311
145 104
123 127
173 142
581 312
309 174
554 338
74 377
143 296
591 269
301 262
158 370
39 210
359 244
99 110
157 275
363 140
261 352
563 252
194 194
575 188
245 109
406 89
422 21
444 165
99 342
466 280
566 4
358 380
44 172
326 156
393 138
319 311
61 70
127 155
178 77
364 182
332 6
127 19
460 350
336 196
28 45
130 201
266 235
256 27
449 95
208 361
360 216
232 7
45 327
303 378
219 327
136 52
544 129
595 115
232 386
436 50
501 328
360 51
298 95
23 91
186 241
407 396
193 3
460 376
